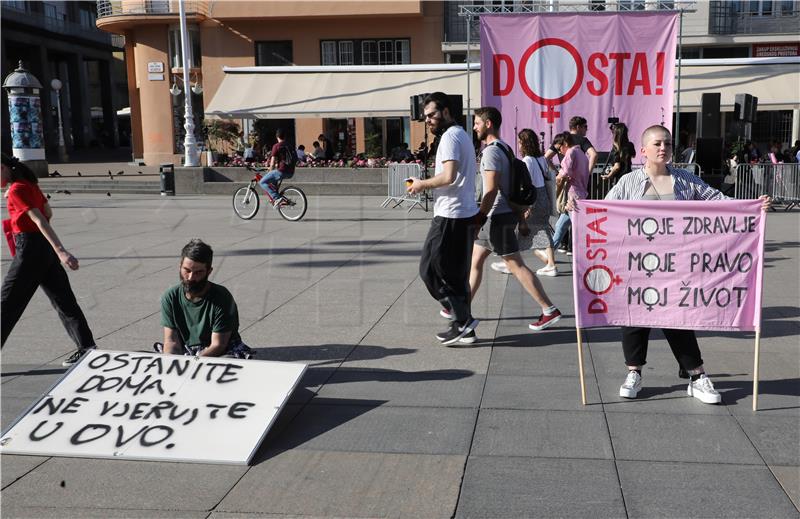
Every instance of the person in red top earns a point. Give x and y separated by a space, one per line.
38 259
281 165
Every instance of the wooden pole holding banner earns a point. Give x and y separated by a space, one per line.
755 369
580 365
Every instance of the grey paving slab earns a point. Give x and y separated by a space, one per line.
562 392
349 484
367 426
777 438
779 397
690 438
429 388
789 478
58 512
702 490
508 487
556 357
543 434
13 407
14 467
115 484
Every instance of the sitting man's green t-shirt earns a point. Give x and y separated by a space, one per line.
200 317
195 320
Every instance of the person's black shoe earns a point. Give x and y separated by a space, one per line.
76 356
456 332
682 373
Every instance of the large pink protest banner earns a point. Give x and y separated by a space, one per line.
540 70
673 264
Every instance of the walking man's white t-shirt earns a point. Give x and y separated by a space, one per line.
456 200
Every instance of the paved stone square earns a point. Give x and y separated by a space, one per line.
387 422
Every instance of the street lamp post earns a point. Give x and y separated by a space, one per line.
191 157
56 85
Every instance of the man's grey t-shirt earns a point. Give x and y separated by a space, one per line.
494 158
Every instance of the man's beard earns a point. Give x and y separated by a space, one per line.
193 288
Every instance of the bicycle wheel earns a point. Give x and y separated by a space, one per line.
245 202
295 205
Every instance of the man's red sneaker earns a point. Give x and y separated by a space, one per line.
545 321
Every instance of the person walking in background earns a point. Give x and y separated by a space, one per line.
498 234
574 171
535 232
445 261
620 159
38 259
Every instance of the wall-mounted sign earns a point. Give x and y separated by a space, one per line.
155 66
155 77
775 50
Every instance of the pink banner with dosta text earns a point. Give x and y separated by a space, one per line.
541 70
674 264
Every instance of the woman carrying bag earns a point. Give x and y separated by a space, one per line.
574 170
38 259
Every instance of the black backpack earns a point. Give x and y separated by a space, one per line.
289 157
522 194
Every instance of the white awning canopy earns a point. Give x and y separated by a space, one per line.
357 91
384 91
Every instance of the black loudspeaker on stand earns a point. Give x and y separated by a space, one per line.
709 120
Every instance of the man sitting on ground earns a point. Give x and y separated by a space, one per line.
200 317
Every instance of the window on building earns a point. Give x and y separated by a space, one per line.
18 5
598 5
631 5
369 52
176 50
273 53
758 7
726 52
87 18
385 52
55 14
365 52
346 56
402 52
789 8
690 53
328 53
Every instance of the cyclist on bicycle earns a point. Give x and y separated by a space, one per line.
282 161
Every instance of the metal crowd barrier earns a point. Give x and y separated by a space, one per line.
780 181
397 194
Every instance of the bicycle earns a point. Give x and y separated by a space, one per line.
246 201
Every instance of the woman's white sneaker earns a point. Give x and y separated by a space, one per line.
703 390
547 271
632 385
500 266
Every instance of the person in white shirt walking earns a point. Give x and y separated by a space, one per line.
445 261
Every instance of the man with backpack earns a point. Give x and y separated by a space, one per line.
504 199
282 161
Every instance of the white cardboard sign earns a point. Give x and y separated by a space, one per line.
148 406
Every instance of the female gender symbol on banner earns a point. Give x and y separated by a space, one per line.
551 73
599 279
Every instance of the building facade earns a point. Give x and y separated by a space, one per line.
267 33
60 40
239 34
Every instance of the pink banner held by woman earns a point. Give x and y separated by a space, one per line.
672 264
541 70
